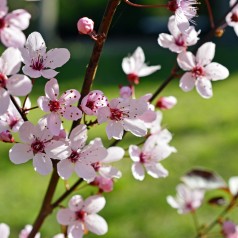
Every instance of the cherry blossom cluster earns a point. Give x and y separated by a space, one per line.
54 148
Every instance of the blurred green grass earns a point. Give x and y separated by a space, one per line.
204 133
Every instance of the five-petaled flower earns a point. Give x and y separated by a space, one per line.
59 107
37 61
232 17
134 66
178 41
38 144
184 12
81 216
81 157
201 71
122 114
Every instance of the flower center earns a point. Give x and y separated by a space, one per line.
133 78
38 63
54 106
197 71
37 146
116 114
96 166
3 79
234 17
173 5
80 215
2 23
143 158
74 157
91 105
179 40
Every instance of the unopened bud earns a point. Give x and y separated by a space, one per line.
219 32
126 92
6 136
165 103
85 25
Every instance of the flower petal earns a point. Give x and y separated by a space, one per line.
78 137
205 53
147 70
94 204
72 113
52 89
233 185
54 123
215 71
65 168
186 61
11 61
70 96
43 103
115 153
4 229
5 100
136 127
57 150
204 87
48 73
76 203
156 170
65 216
19 85
134 152
42 164
27 132
20 153
187 82
85 171
96 224
138 171
114 130
31 72
56 58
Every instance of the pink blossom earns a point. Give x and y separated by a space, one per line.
81 216
12 24
103 167
148 158
126 91
232 17
4 230
85 25
38 62
11 120
200 70
187 199
229 229
17 84
93 101
26 231
178 41
38 144
184 12
104 184
134 66
165 103
81 156
6 136
122 114
59 107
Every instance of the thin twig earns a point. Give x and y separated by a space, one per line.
209 9
145 6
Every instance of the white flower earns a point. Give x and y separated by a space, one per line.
38 62
184 12
148 158
82 216
122 114
232 17
178 41
187 199
81 157
134 66
201 71
38 144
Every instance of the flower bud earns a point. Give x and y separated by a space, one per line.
85 25
6 136
126 92
165 103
